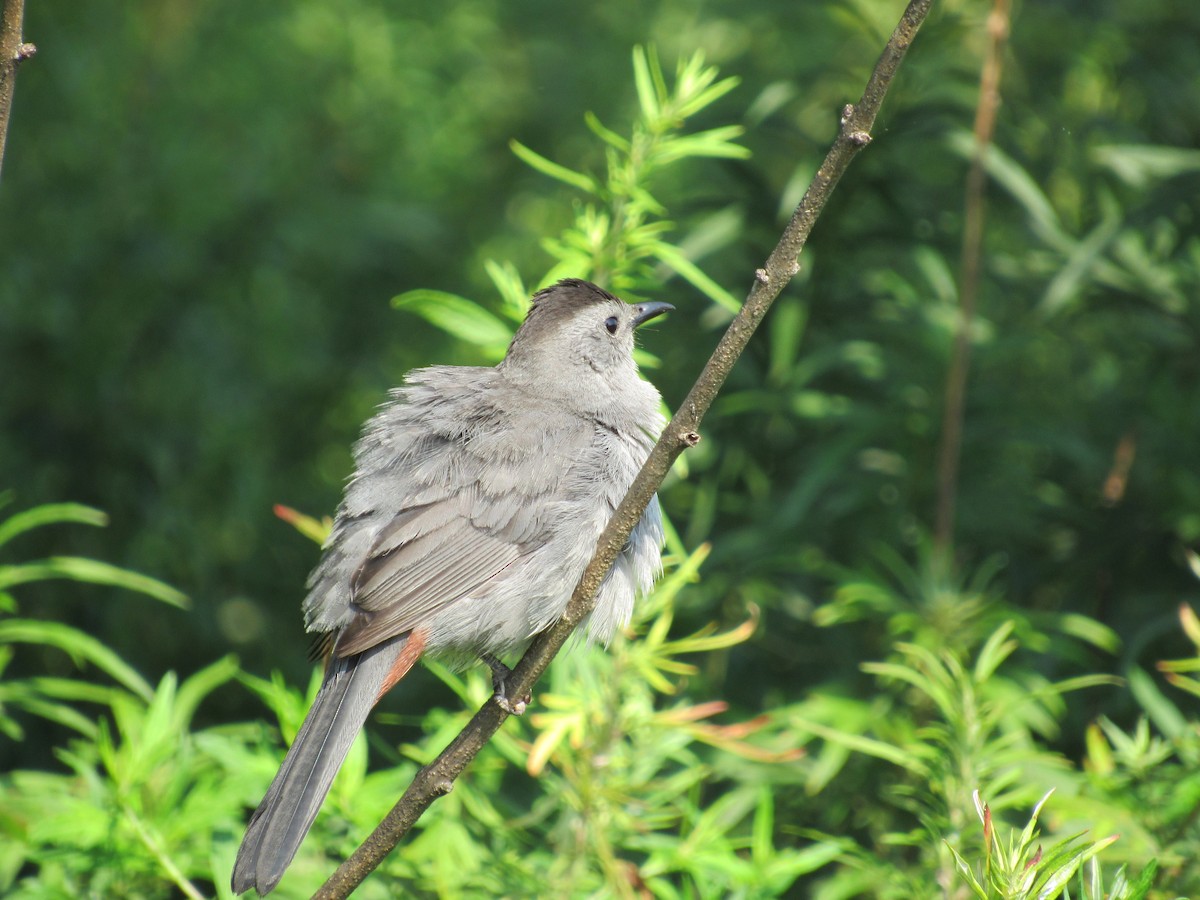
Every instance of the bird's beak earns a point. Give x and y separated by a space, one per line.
644 312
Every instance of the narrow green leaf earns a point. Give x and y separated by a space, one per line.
1057 881
1139 164
786 328
199 685
1099 751
1166 715
607 135
709 95
547 167
644 83
862 744
75 568
994 652
73 689
79 646
1010 176
157 725
1087 629
52 712
654 678
1140 886
693 275
1029 832
794 863
967 873
316 530
1072 277
714 143
457 316
898 672
49 514
762 847
513 293
769 101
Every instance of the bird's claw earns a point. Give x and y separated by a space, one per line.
500 676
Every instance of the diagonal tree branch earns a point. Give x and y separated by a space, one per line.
681 432
12 52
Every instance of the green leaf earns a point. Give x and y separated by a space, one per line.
316 530
1166 715
535 160
645 82
513 293
712 143
967 873
457 316
1139 164
1061 872
794 863
1087 629
607 135
1072 278
862 744
692 273
199 685
73 689
157 725
1023 188
709 95
76 568
50 711
1029 832
1140 886
79 646
762 847
994 652
49 514
785 330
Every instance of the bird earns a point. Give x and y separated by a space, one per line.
476 502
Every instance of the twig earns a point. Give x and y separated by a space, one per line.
12 53
681 432
154 845
950 449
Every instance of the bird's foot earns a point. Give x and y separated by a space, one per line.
500 676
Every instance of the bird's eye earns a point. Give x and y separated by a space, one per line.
611 324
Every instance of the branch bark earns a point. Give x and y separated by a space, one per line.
681 432
13 51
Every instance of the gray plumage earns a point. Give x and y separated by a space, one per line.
476 502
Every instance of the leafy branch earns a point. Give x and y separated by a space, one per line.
1020 867
614 239
618 236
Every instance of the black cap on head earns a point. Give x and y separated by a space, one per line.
573 290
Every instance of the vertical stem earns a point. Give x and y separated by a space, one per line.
12 51
950 449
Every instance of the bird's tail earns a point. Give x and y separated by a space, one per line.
278 826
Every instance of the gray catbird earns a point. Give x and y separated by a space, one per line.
476 503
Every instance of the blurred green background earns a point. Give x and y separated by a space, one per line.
207 207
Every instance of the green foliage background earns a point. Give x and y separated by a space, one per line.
206 209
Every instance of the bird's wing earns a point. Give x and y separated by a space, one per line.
425 558
454 483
